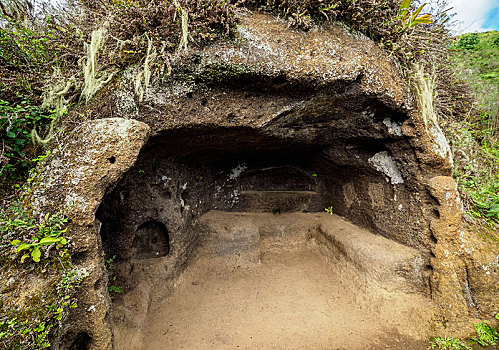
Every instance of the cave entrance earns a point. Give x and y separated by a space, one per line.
221 237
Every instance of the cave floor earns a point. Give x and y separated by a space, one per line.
287 300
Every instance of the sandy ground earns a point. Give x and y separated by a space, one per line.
290 300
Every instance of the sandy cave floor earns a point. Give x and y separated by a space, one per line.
290 300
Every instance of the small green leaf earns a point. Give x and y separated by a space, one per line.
405 4
10 134
115 289
15 242
36 254
49 240
24 257
23 246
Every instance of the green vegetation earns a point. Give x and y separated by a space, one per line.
34 324
17 123
31 326
109 263
36 263
486 336
474 136
449 343
48 234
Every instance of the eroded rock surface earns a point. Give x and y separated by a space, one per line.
93 158
277 121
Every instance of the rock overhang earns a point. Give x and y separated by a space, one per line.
327 105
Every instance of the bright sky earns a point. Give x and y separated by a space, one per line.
475 15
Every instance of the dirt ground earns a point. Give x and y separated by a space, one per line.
288 300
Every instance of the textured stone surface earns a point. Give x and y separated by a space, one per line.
323 118
75 179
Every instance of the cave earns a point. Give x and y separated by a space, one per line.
200 200
279 191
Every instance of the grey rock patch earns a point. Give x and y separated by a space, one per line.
384 163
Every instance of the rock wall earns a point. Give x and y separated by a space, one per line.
275 121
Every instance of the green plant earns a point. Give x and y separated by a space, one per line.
109 263
329 210
449 343
16 125
468 41
487 335
31 327
34 325
473 139
46 233
411 19
19 227
114 289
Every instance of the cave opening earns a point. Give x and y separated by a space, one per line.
198 201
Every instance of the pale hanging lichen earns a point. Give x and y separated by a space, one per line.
424 91
185 29
54 98
143 78
93 82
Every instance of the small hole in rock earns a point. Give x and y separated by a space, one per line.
280 79
429 268
204 102
189 95
81 342
112 159
433 239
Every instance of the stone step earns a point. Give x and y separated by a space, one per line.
375 258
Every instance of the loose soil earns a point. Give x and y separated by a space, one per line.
287 300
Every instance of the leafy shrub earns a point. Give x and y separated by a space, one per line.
35 324
47 233
474 139
19 227
16 124
468 41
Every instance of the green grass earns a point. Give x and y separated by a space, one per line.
474 139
